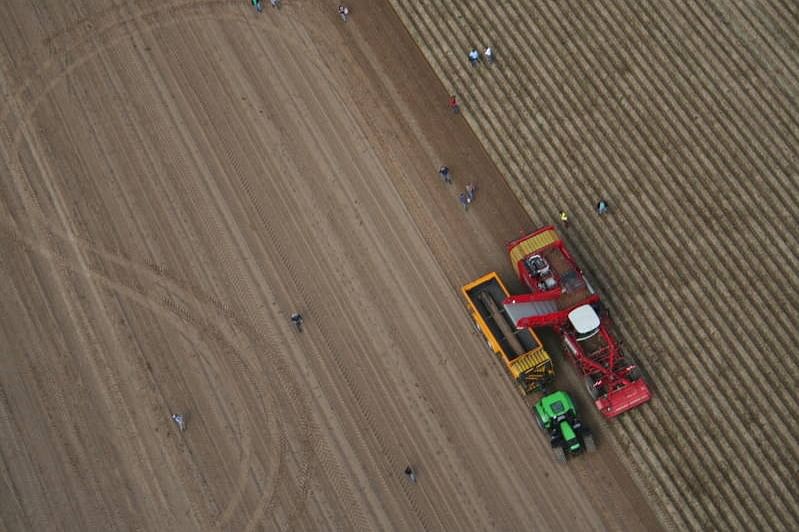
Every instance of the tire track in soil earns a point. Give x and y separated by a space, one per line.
75 63
64 50
231 508
267 227
306 296
79 49
11 491
166 305
310 300
248 188
24 103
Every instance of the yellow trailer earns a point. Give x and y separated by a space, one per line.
520 350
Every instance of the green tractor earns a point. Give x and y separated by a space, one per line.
556 414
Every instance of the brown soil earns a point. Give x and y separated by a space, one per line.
179 176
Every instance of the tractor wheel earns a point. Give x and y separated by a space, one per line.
560 455
589 386
538 420
588 441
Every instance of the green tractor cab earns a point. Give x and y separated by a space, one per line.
556 414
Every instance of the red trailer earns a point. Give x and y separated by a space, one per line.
561 297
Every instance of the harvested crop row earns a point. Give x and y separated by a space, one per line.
684 116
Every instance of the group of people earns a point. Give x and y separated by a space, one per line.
474 56
297 320
259 6
343 11
465 197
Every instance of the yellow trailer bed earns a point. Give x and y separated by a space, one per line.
520 350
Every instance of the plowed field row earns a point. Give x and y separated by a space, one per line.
684 116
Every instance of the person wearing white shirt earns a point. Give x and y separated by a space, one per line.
474 56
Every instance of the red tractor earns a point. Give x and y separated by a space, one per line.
562 298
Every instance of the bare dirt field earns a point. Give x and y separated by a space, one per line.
178 176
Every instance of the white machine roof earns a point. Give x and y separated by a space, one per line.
584 319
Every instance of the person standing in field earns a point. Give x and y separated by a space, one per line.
489 55
453 104
257 5
464 200
474 57
445 174
296 319
601 207
564 219
180 421
471 190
